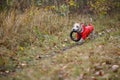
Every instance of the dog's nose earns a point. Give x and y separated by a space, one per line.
74 30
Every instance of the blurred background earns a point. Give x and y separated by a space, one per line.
35 43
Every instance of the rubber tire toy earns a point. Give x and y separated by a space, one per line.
71 36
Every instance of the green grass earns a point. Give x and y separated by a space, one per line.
32 46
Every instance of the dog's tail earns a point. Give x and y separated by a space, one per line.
91 20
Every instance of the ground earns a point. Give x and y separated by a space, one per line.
61 59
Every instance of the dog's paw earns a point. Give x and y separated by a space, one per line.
81 41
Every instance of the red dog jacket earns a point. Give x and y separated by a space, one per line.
86 30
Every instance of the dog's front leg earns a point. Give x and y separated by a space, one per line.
81 41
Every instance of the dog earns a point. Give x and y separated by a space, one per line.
84 31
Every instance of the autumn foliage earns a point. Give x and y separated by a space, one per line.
65 7
35 40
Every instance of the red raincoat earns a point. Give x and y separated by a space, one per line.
86 31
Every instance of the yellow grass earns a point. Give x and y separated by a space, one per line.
32 43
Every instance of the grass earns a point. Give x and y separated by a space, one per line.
32 43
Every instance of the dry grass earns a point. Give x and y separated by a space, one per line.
31 44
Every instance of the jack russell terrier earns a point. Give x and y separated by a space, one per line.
82 32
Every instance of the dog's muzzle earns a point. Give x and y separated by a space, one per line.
75 29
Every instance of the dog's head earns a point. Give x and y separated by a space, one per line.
77 27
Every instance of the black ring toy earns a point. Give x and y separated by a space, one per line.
71 36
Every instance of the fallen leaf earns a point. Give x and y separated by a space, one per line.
93 78
63 45
38 57
7 71
115 68
99 73
23 64
65 40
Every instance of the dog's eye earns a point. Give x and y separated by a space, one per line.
77 26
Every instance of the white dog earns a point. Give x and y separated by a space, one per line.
83 31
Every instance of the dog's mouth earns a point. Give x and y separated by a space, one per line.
75 36
74 29
77 30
